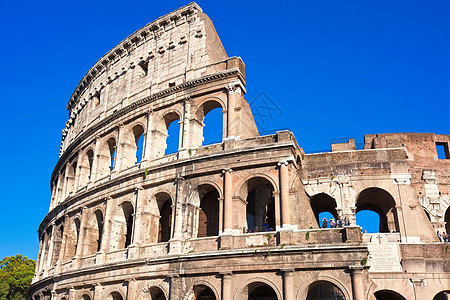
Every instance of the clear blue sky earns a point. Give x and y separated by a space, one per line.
333 68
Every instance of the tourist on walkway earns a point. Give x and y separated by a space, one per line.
324 223
332 223
339 222
445 237
346 222
441 239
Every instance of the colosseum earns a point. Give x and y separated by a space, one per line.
238 219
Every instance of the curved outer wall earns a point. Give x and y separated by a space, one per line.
233 219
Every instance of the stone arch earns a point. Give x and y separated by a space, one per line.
443 295
323 202
201 111
133 144
321 289
71 175
208 214
93 232
115 296
243 291
164 202
304 288
107 156
157 293
242 189
57 244
122 228
258 192
388 295
86 166
46 248
85 297
72 238
197 288
161 132
381 202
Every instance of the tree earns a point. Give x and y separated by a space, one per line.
16 273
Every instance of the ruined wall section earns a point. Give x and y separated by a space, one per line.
430 175
172 50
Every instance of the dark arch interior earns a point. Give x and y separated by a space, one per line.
209 214
324 290
203 292
382 203
261 291
444 295
447 220
128 212
115 296
157 294
388 295
260 205
323 203
165 220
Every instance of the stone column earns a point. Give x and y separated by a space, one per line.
284 192
72 293
227 285
50 248
98 292
146 155
233 94
107 223
66 182
80 243
76 183
357 282
184 125
220 214
58 190
228 201
53 295
288 284
133 249
132 292
95 160
276 197
39 258
120 146
174 292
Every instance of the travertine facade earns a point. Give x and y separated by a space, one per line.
128 221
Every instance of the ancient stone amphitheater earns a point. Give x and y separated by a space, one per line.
238 219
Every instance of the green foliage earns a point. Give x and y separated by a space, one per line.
307 235
16 273
146 173
364 261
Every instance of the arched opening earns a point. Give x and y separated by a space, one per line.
382 203
93 233
209 126
107 157
444 295
324 290
114 296
173 137
202 292
86 166
260 211
261 291
57 244
125 225
323 206
447 220
138 133
157 294
85 297
368 220
165 221
208 220
388 295
72 172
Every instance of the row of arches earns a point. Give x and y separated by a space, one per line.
148 137
375 210
93 230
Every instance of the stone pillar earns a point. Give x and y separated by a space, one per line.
58 190
95 160
175 281
228 201
76 183
98 292
133 249
53 295
66 182
146 155
276 197
284 192
357 282
233 94
227 285
72 293
80 243
288 284
51 246
40 257
120 146
220 214
184 125
176 216
107 223
132 291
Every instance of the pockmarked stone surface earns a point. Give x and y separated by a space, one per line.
239 218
